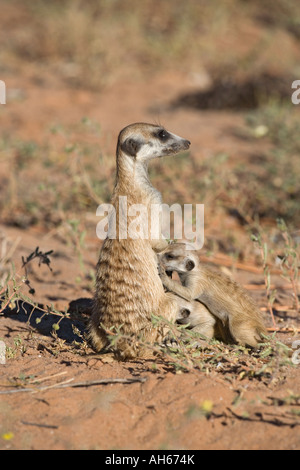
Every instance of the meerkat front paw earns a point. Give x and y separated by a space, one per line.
161 271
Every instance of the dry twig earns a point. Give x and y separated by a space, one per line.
67 383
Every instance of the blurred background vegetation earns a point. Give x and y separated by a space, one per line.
244 56
93 42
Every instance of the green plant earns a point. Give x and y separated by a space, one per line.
275 172
187 351
19 347
290 260
271 294
12 289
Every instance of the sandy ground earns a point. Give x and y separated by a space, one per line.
160 408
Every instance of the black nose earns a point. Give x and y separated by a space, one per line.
187 143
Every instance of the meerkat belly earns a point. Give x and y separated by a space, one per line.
129 289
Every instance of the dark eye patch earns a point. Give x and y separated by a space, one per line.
162 135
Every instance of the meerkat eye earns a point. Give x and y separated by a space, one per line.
163 135
170 256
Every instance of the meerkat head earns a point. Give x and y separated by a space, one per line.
143 142
176 257
188 316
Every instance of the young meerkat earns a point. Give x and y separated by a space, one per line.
222 296
128 287
201 320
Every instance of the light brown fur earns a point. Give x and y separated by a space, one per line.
201 320
128 288
222 296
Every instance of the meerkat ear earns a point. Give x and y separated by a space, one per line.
189 265
131 147
185 313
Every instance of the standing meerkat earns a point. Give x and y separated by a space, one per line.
222 296
128 287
